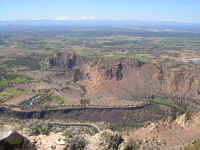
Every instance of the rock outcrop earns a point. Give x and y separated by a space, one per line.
11 140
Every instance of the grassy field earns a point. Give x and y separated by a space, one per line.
56 99
16 80
116 46
167 103
10 93
177 110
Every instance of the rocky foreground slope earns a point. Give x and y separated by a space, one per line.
165 134
129 77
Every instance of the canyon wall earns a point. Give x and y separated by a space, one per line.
128 77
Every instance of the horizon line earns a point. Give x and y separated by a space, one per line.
94 19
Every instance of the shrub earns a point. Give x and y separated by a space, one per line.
68 133
83 90
131 145
85 101
38 127
76 143
114 141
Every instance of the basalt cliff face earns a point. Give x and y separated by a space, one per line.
128 77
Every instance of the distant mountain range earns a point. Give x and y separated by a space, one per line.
130 24
95 22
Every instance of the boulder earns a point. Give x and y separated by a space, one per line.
12 140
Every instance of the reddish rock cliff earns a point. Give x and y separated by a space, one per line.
129 77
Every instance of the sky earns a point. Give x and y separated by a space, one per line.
145 10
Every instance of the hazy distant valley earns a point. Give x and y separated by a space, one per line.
113 87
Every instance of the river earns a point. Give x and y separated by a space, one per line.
196 62
2 46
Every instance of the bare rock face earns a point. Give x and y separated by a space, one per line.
62 60
114 72
11 140
181 121
128 77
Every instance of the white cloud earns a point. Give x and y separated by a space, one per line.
87 18
63 18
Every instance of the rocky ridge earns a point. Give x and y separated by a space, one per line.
128 77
